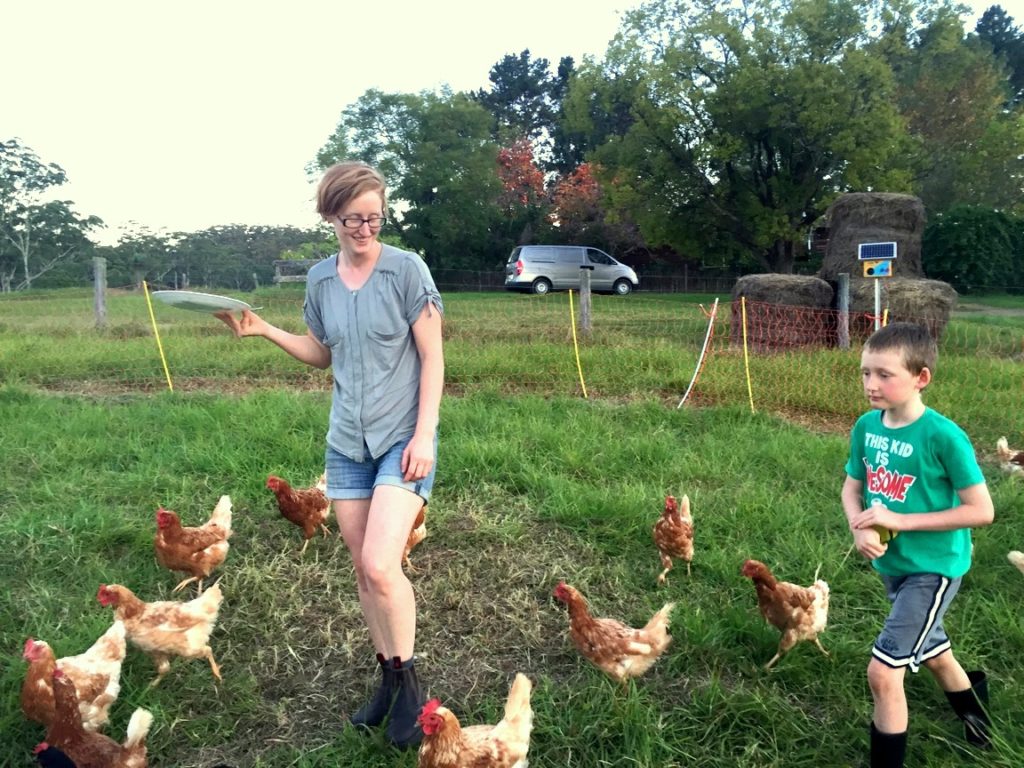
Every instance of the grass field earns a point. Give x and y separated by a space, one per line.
535 484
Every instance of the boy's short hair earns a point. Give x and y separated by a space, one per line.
912 340
346 181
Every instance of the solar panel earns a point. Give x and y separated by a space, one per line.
874 251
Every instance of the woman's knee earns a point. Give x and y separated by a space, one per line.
380 575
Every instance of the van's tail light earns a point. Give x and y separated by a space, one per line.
519 267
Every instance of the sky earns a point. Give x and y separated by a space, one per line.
191 114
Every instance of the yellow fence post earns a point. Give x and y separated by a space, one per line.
156 333
746 356
576 346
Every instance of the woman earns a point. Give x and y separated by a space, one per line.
373 313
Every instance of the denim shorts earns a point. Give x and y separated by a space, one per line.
347 479
913 631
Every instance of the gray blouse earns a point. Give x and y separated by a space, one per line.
373 353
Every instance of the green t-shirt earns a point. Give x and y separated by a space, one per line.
916 468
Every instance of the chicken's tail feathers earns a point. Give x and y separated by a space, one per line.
518 713
657 627
113 640
1017 558
1002 449
138 728
684 507
212 594
321 483
222 513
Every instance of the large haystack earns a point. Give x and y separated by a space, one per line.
783 311
928 302
873 217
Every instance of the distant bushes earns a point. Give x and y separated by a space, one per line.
975 249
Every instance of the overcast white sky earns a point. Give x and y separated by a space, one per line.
189 114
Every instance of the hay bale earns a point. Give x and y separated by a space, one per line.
783 311
873 217
928 302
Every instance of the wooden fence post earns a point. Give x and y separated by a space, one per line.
585 325
843 321
99 271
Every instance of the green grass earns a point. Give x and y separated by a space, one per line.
535 485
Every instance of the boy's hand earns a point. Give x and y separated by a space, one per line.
869 543
877 514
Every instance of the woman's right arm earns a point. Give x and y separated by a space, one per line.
304 348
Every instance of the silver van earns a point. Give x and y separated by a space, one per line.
543 268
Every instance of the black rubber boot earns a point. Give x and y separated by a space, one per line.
888 750
970 706
403 730
376 709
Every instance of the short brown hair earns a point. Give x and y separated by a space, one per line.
913 341
346 181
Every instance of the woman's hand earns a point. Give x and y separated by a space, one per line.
249 324
418 458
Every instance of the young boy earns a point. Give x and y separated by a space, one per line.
912 493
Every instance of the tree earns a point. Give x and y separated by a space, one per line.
973 247
36 234
749 119
436 151
139 254
995 28
579 215
520 97
522 201
966 138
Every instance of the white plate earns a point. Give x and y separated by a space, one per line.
200 302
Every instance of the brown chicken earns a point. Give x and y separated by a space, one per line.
616 649
416 535
1017 558
195 551
167 628
96 674
800 613
673 534
86 748
305 507
1011 461
446 744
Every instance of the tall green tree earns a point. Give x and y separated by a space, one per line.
967 138
520 96
37 233
749 118
996 29
438 155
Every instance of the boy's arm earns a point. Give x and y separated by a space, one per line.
975 511
851 496
866 539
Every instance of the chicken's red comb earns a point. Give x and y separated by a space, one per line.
40 747
58 673
431 707
28 646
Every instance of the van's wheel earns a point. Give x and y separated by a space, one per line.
622 287
541 286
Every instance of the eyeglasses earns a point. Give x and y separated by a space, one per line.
356 222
